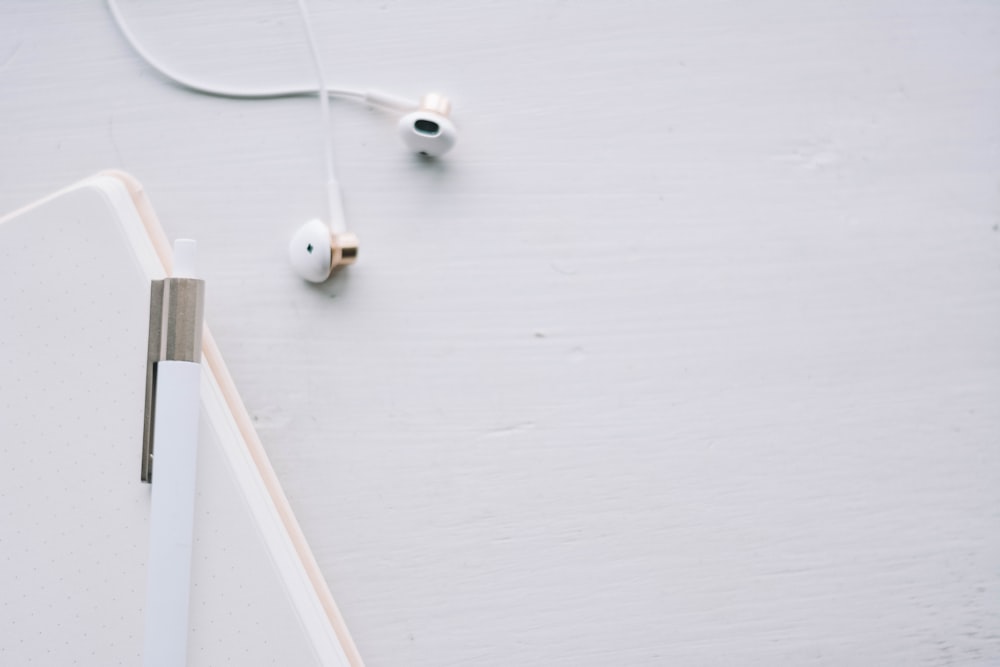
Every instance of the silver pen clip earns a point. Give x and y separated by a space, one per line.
176 316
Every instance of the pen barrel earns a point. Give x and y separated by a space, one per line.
182 320
168 587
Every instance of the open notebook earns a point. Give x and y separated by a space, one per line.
74 532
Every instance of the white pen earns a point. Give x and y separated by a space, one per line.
174 448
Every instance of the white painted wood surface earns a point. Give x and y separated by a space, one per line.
687 355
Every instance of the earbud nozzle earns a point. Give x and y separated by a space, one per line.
427 132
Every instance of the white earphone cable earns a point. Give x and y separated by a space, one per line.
332 187
369 96
217 91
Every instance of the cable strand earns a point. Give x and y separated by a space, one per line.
332 187
373 97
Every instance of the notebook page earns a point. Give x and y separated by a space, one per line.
74 297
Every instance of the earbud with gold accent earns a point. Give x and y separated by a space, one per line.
315 251
428 130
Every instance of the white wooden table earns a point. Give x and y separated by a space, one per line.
688 354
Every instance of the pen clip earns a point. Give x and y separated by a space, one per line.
152 356
176 317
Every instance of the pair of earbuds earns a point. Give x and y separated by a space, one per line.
319 247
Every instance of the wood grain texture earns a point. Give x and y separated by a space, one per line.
686 355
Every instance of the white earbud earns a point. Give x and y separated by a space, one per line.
315 251
428 130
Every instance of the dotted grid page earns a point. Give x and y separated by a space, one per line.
74 531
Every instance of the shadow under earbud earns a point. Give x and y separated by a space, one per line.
335 286
436 167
